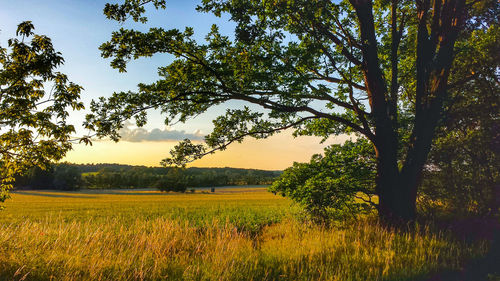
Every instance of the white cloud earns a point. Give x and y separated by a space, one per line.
140 134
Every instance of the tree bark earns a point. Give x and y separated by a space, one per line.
394 200
437 32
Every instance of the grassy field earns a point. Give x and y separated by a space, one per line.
246 208
233 234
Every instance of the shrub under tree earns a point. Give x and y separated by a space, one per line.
338 184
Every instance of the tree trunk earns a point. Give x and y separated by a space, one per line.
437 32
396 204
397 200
397 191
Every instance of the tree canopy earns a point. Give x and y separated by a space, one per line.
33 123
378 69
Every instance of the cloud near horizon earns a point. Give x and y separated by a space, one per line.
141 134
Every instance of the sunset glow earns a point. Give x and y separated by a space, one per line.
275 153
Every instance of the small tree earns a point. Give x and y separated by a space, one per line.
33 123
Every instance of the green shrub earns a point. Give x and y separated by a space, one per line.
337 185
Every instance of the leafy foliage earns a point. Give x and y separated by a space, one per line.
463 171
32 119
339 184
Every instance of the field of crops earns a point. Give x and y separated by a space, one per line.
232 234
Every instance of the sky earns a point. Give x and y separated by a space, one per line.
78 27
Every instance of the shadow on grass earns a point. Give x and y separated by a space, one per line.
131 193
46 194
485 268
94 193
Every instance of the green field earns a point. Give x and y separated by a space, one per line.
232 234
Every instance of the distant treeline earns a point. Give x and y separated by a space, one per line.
67 176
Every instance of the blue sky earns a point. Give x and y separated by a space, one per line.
78 28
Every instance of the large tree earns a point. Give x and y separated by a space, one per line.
377 69
35 100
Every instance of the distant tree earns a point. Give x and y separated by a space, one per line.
89 180
378 69
33 124
175 180
40 178
67 177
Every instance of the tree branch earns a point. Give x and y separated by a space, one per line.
242 136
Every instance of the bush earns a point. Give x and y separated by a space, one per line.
338 185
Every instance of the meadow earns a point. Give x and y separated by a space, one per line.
232 234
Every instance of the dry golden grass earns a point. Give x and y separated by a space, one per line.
161 247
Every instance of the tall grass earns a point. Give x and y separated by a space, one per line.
164 248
